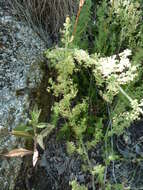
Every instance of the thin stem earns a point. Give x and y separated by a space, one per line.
89 163
129 98
113 163
125 94
77 17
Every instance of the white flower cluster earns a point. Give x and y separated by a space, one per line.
118 3
118 67
141 103
81 55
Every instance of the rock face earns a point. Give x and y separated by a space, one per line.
19 74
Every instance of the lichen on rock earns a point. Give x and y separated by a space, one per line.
20 47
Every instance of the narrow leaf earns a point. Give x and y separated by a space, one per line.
20 127
40 141
29 129
44 133
41 125
35 115
18 153
22 134
23 127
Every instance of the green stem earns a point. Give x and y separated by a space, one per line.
88 161
129 98
125 94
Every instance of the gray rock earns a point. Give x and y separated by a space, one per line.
19 48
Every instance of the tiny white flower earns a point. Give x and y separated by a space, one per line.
107 65
125 53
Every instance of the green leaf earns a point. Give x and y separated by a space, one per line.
22 131
21 127
35 115
76 186
29 129
71 148
41 125
40 141
22 134
48 130
44 133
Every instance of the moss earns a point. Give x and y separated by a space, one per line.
44 101
40 95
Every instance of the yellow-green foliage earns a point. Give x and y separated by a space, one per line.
79 76
117 26
76 186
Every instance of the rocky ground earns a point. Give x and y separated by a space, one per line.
19 49
129 169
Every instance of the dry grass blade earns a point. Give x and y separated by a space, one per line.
20 152
81 3
45 16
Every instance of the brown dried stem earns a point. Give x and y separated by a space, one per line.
81 4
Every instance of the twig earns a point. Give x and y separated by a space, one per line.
81 3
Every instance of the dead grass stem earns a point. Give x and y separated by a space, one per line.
45 16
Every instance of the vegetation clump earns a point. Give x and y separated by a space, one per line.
97 83
93 87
